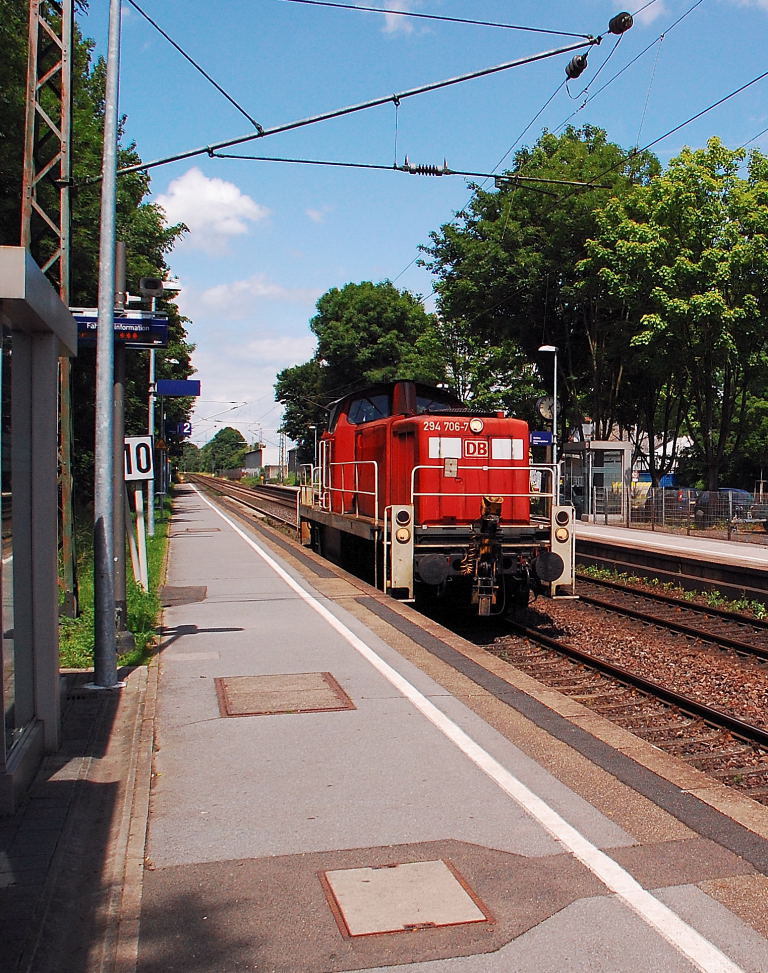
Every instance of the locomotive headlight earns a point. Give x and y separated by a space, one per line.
476 425
403 535
562 534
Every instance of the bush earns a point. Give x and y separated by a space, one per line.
76 635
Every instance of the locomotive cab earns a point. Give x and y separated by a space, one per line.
442 495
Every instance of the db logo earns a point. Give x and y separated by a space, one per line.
475 447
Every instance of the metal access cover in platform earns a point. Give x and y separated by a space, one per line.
172 596
293 692
400 898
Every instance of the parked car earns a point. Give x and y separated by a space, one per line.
670 503
723 505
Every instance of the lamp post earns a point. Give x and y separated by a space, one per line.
553 350
314 454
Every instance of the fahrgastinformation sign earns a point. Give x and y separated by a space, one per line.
134 329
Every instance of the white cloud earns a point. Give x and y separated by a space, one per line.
282 352
395 24
214 210
239 299
651 13
318 215
238 379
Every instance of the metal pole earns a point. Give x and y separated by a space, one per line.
118 487
151 431
554 413
105 653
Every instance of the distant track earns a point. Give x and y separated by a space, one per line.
279 503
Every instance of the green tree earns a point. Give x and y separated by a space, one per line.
507 266
365 333
299 388
226 451
190 460
14 17
370 333
686 258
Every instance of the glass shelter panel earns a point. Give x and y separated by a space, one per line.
14 685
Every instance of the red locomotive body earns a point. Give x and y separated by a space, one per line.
434 494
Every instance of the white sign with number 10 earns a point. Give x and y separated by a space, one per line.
138 458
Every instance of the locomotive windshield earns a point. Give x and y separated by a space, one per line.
437 401
369 407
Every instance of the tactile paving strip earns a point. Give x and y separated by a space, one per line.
293 692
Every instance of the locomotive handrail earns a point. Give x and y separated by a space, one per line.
328 490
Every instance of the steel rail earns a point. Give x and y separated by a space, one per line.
691 631
746 731
286 497
667 599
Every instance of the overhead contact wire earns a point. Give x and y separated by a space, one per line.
195 65
350 109
671 131
451 20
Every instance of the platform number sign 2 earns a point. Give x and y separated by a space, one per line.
138 458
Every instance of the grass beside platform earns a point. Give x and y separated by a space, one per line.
76 635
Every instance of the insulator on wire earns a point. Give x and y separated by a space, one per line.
425 170
576 66
620 23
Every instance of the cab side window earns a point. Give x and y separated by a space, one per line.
367 408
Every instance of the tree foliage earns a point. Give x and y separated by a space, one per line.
508 265
365 333
684 263
226 451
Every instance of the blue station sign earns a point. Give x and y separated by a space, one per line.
178 386
540 438
134 329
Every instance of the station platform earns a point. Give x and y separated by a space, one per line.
312 777
747 549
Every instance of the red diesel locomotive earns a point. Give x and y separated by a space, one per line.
434 496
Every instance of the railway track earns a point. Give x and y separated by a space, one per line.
722 628
278 503
655 691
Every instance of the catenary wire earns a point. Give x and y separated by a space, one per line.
648 93
636 152
431 171
348 110
602 88
195 65
501 160
676 128
644 7
656 40
422 16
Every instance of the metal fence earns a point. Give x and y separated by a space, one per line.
683 508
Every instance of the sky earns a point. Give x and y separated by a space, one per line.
266 239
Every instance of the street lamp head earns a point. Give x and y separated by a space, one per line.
547 348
